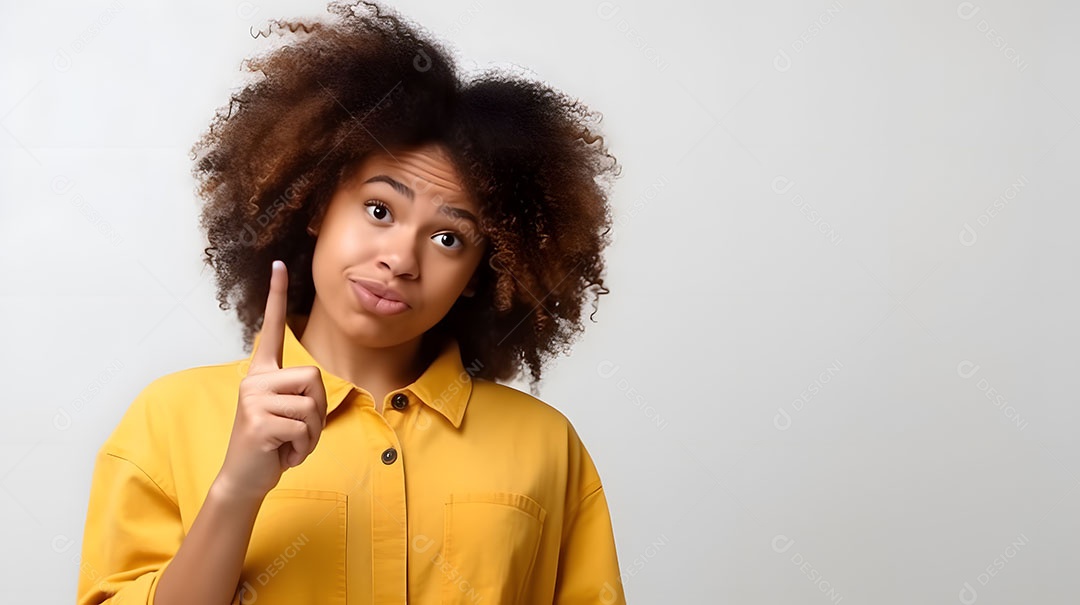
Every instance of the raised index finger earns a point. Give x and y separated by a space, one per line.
267 355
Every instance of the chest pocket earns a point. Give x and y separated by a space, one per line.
297 550
490 541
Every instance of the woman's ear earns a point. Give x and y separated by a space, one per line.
470 288
315 223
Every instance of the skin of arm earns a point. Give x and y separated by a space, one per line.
206 568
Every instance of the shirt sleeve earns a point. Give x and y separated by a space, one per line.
133 523
588 561
132 531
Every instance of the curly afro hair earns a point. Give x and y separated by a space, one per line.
370 80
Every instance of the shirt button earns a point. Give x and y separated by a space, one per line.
389 455
399 401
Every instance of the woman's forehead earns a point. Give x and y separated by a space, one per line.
414 173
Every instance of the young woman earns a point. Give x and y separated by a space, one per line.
395 239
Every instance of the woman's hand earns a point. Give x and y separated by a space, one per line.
280 413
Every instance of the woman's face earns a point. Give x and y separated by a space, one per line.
403 222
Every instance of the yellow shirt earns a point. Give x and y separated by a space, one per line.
461 491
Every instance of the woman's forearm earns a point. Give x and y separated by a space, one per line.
206 568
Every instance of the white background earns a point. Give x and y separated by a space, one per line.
838 359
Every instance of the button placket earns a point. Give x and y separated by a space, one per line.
389 534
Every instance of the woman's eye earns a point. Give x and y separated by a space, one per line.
450 240
380 210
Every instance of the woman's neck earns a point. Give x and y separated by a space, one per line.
377 370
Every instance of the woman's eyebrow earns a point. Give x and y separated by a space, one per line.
408 193
398 186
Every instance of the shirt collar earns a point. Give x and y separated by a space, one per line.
444 386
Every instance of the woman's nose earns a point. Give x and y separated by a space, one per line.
399 254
